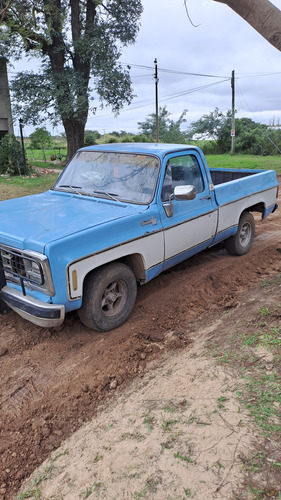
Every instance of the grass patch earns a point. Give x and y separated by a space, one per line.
38 154
245 161
252 349
262 398
15 187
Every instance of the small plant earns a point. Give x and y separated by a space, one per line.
170 408
180 456
265 282
265 311
150 487
167 425
251 340
87 492
98 457
149 422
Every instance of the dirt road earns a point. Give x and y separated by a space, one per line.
53 380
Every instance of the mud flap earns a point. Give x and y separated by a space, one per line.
3 306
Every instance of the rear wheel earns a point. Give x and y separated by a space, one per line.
109 297
241 242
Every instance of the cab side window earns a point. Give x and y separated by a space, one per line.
182 171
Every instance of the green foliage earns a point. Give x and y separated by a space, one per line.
169 130
75 41
11 162
215 126
41 139
91 137
251 137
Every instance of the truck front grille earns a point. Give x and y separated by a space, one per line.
27 268
17 267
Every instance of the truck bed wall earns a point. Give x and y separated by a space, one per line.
220 176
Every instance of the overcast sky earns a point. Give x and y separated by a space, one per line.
220 43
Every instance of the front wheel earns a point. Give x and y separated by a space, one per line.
241 242
109 297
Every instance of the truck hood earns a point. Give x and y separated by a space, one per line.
34 221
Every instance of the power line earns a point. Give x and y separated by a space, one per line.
167 97
174 72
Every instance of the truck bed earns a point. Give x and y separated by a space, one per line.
220 176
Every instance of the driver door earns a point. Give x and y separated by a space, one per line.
191 224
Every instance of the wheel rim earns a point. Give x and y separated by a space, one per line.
245 234
114 298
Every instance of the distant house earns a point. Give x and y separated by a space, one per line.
6 123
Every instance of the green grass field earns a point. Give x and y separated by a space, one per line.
245 161
14 187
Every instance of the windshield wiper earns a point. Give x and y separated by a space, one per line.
109 195
74 188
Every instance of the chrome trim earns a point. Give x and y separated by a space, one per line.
48 287
34 310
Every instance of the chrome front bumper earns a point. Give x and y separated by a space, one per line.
34 310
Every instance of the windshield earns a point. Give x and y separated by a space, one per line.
118 176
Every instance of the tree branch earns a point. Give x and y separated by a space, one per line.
4 10
262 15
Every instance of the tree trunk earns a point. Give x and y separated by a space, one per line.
74 131
264 17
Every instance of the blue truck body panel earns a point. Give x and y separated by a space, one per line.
120 202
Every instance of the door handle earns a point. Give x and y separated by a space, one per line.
206 197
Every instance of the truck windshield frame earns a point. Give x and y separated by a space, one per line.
122 177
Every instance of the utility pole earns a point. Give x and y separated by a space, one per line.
156 101
22 146
233 113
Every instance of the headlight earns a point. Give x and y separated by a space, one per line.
29 269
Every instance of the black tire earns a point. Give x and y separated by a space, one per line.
241 242
109 297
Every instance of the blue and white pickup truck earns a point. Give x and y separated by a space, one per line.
117 216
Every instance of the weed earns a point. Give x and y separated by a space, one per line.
220 466
134 476
258 493
30 493
35 492
168 444
192 417
170 408
187 492
150 487
265 311
225 357
262 397
166 425
180 456
98 458
87 492
264 283
149 422
251 340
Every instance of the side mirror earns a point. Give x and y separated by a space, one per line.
184 192
180 193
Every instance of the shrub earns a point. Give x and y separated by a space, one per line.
11 161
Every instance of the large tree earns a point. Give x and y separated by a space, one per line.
262 15
79 44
